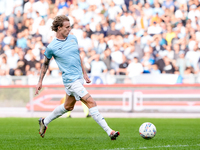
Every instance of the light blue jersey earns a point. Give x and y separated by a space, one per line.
66 55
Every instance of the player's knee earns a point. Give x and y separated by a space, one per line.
69 108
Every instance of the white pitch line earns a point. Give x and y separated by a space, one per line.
167 146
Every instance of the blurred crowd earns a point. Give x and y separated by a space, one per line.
116 37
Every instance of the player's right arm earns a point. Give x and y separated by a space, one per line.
44 69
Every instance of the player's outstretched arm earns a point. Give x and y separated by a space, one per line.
44 68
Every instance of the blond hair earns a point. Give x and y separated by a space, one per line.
58 21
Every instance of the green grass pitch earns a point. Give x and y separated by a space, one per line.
86 134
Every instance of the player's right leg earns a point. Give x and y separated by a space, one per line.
57 112
79 91
91 104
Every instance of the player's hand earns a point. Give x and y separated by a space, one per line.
87 79
38 87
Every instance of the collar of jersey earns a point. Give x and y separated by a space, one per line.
62 40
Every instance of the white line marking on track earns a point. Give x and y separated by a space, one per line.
167 146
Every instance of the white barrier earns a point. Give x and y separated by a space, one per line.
186 106
104 79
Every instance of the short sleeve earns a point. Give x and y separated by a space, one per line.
48 53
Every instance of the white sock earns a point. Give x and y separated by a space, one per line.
57 112
99 119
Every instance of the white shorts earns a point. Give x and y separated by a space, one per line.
76 89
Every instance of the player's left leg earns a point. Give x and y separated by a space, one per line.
62 101
57 112
91 104
60 110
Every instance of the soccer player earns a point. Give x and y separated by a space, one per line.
64 49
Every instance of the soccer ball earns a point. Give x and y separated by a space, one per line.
147 130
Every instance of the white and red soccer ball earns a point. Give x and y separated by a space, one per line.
147 130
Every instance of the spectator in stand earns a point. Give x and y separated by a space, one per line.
138 48
2 6
1 49
110 77
193 56
31 62
4 66
29 9
193 12
188 75
62 3
156 18
161 63
127 21
85 60
123 66
106 58
148 11
37 68
154 29
162 40
165 66
169 52
147 62
21 41
83 4
20 27
18 18
113 11
12 61
170 35
182 63
169 67
154 69
116 56
88 31
142 22
42 50
85 42
176 49
2 30
8 37
158 10
77 32
99 31
130 52
112 30
22 64
42 7
157 49
97 66
176 39
135 68
12 43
